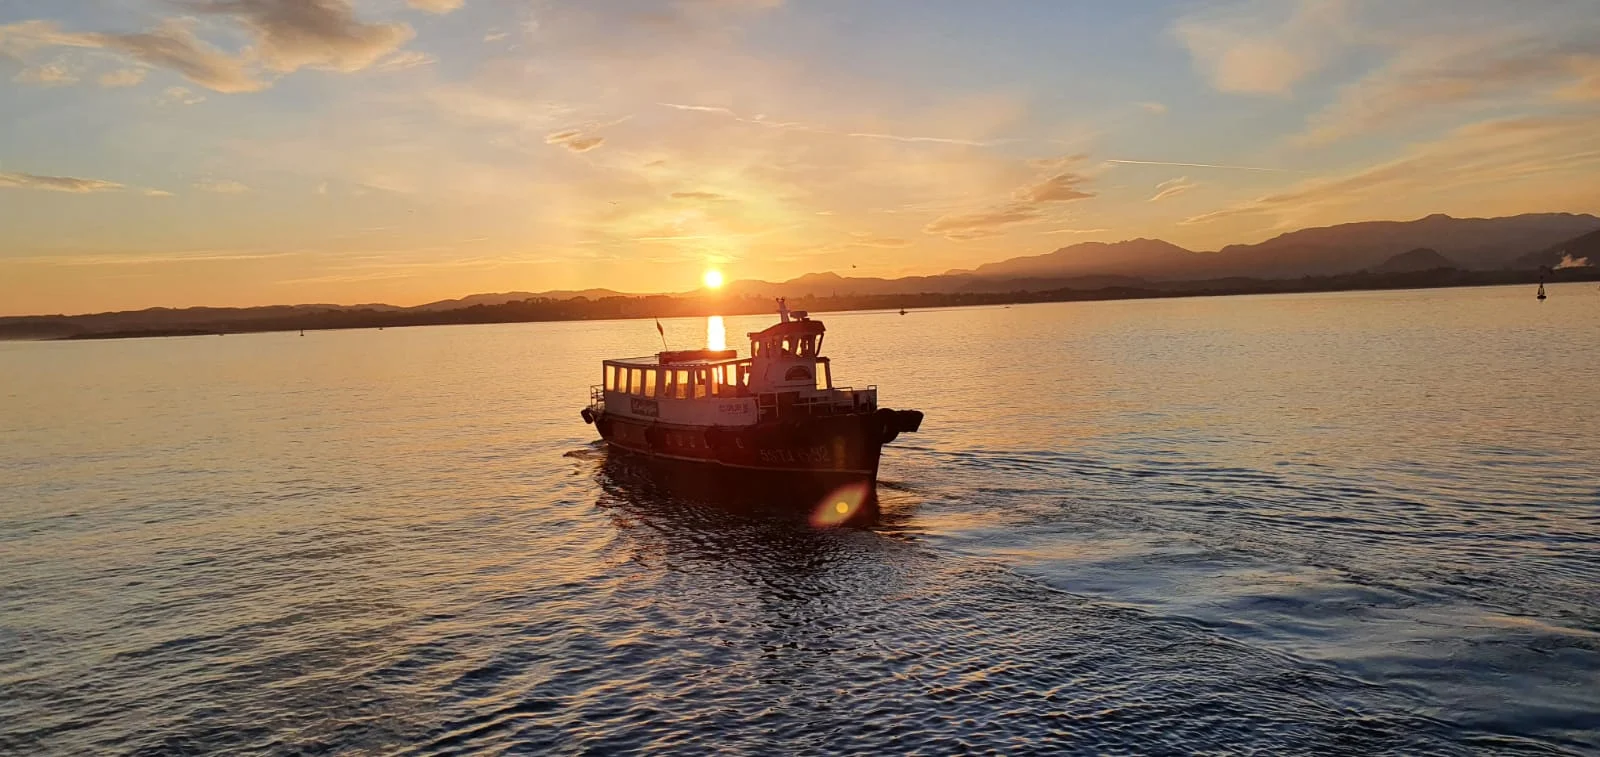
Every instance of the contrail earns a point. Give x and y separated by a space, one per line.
700 108
799 126
1197 165
934 140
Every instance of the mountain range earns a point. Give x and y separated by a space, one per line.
1511 242
1524 242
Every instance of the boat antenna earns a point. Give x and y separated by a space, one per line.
663 333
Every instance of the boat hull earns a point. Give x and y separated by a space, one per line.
805 465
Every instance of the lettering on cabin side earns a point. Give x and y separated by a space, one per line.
734 408
808 455
644 407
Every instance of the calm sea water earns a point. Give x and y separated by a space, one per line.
1357 523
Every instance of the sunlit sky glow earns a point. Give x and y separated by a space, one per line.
241 152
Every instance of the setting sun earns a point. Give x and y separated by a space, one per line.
712 279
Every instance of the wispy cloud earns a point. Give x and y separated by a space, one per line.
1027 203
46 75
1062 187
1193 165
1490 152
927 140
123 77
762 120
221 186
172 45
1172 188
284 36
435 6
180 96
1075 231
963 226
1430 75
1265 46
582 139
56 183
294 34
142 259
574 140
405 59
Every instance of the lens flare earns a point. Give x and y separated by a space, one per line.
713 279
842 505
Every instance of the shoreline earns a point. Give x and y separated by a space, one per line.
667 306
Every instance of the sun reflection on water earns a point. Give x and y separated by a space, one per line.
716 333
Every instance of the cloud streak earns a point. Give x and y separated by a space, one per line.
1172 188
1491 152
221 186
1431 75
1260 47
284 36
57 183
1119 161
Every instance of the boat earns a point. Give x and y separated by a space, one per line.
772 425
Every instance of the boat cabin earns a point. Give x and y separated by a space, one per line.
785 374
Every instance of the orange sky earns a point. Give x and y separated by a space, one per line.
264 153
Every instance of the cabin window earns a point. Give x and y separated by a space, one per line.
634 381
650 383
717 375
824 375
611 378
680 384
700 389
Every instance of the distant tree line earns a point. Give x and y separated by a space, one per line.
666 306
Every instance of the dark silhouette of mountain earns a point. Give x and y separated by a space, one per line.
1573 253
1434 251
1134 257
1420 259
504 297
1471 243
1476 243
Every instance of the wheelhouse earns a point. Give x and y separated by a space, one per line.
785 374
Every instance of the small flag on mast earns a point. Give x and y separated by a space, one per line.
663 333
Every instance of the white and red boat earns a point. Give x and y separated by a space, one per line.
768 425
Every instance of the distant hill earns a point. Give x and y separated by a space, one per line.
1474 243
1378 248
1573 253
1466 243
1420 259
1134 257
505 297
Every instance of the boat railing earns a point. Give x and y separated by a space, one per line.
597 394
840 399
